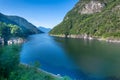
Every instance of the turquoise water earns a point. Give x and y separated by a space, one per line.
78 58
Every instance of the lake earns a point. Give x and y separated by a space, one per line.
77 58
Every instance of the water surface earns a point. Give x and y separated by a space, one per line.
77 58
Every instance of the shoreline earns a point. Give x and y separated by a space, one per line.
12 40
43 71
88 38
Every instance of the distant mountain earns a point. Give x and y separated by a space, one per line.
43 29
26 26
95 18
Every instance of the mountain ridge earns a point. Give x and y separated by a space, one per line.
14 29
44 29
20 21
102 23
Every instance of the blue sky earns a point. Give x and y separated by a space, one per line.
47 13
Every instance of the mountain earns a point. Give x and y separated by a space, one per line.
26 26
43 29
95 18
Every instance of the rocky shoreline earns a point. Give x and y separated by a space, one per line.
88 37
13 40
1 41
40 70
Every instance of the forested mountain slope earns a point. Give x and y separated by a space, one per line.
14 26
96 18
26 26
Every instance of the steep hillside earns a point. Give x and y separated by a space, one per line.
95 18
26 26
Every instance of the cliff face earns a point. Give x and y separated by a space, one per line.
92 7
27 27
99 18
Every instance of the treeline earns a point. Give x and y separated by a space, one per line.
104 24
12 69
9 30
9 61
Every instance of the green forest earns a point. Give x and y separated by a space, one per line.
9 30
10 66
12 69
104 24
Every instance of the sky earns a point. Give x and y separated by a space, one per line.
46 13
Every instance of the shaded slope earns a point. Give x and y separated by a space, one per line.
26 26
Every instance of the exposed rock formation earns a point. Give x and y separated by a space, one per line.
116 8
96 18
92 7
15 41
1 41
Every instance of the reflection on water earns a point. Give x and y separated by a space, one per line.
77 58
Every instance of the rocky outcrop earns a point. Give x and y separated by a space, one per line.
92 7
92 17
84 36
116 8
15 41
12 41
1 41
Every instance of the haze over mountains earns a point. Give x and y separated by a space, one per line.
43 29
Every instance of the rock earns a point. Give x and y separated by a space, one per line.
1 41
116 8
15 41
92 7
